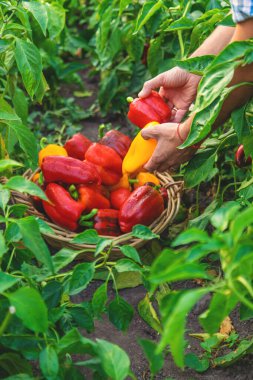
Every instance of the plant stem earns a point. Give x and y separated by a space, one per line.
5 322
10 259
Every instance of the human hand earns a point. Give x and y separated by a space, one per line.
177 86
167 155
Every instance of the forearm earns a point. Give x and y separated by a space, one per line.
216 42
242 94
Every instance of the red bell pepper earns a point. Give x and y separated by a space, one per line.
117 141
69 170
63 210
77 146
240 158
108 162
107 223
91 198
143 206
118 197
145 110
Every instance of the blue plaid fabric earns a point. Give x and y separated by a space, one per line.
242 9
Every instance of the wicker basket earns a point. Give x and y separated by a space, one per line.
63 238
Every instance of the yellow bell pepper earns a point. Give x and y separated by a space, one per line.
123 183
139 152
51 150
144 177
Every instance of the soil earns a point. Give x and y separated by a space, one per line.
242 370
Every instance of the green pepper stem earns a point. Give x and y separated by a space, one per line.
130 99
86 224
43 142
88 216
41 179
73 192
133 181
101 130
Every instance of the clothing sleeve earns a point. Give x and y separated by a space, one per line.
242 9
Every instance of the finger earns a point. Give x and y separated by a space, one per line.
178 115
151 132
150 85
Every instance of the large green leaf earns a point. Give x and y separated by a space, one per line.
183 23
30 308
148 10
114 360
155 360
99 300
39 12
49 363
29 64
56 19
200 167
148 314
6 112
22 185
174 309
33 241
7 281
81 277
196 65
120 313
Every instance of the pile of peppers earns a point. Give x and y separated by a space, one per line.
102 184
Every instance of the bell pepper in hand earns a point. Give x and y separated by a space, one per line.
63 209
107 223
118 197
139 153
144 177
91 198
51 150
69 170
117 141
240 158
145 110
107 161
143 206
77 146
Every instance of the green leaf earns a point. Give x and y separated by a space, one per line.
148 314
114 360
155 56
130 252
244 347
39 12
26 140
7 164
148 10
120 313
29 65
222 217
20 104
99 300
6 112
86 237
56 19
102 244
30 308
125 265
23 185
49 363
199 168
81 277
126 280
7 281
183 23
220 307
199 365
63 258
123 5
174 309
44 227
241 128
189 236
196 65
74 343
4 198
155 360
241 221
170 266
33 241
82 315
3 247
202 221
143 232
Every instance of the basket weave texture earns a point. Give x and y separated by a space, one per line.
63 238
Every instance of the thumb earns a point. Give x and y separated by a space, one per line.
150 132
150 85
